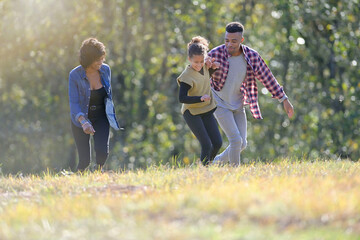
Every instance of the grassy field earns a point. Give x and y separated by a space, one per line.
284 200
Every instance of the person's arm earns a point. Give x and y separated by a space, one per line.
218 77
212 70
184 98
265 76
75 109
74 97
183 94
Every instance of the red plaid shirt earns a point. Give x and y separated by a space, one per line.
256 69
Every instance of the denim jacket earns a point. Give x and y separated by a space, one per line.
79 95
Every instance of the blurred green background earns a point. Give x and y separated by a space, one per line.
312 47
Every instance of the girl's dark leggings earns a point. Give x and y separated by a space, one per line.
101 142
205 128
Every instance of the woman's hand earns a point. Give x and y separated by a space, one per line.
205 98
88 128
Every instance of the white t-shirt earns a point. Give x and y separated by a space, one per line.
230 96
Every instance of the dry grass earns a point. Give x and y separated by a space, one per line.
284 200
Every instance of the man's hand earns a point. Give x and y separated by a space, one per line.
210 63
215 65
289 109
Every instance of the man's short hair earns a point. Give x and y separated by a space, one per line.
234 27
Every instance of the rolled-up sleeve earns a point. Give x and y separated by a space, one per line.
74 99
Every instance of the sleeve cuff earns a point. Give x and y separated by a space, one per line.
78 115
283 98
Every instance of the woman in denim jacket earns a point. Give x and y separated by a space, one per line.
91 107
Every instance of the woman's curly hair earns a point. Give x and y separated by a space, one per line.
90 51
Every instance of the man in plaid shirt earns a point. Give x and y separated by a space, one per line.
240 66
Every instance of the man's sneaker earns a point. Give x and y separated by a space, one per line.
217 161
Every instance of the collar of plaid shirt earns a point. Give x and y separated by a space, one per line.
256 69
